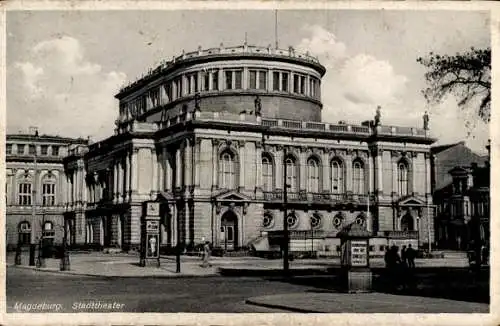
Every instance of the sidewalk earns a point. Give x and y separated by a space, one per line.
127 265
364 303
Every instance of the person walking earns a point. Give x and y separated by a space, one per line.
206 255
404 256
411 254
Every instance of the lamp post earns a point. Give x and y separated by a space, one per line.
285 218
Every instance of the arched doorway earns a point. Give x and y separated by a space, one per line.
229 230
407 223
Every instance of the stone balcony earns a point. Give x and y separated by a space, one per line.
335 128
318 198
401 234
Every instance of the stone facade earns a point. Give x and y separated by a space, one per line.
36 187
215 158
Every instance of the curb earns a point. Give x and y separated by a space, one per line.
281 307
113 276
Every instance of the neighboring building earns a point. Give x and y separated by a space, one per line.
462 198
209 135
23 224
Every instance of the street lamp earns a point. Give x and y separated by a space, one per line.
285 218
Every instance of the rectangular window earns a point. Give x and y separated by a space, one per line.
55 150
215 80
296 83
276 81
24 194
262 80
32 149
229 79
206 81
49 194
238 75
302 84
252 83
284 82
170 94
44 149
8 149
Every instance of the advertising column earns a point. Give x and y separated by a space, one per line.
150 235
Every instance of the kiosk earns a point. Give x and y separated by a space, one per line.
355 261
150 235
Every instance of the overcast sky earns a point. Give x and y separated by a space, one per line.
64 68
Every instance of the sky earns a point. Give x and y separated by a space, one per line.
64 67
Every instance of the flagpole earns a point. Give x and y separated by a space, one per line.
276 27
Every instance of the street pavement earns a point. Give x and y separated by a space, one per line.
365 303
104 283
25 287
124 265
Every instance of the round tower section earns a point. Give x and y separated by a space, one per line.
284 83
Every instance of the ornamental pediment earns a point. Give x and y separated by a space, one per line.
231 195
411 201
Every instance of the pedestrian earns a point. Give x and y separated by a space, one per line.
387 257
411 254
206 255
403 256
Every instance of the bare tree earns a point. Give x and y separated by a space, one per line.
466 75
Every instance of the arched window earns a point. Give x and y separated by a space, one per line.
227 171
312 175
267 174
358 178
402 179
49 190
24 191
291 174
337 176
24 232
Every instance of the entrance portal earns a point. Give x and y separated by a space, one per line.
229 230
407 223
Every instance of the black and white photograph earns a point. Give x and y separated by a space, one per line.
248 160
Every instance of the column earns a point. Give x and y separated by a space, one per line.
348 171
78 185
187 166
279 167
325 170
128 174
167 173
241 154
302 170
196 162
83 188
427 174
215 158
394 174
115 181
379 169
258 165
119 190
161 169
173 224
244 82
371 175
178 168
134 168
154 174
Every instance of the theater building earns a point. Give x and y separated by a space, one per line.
35 188
209 135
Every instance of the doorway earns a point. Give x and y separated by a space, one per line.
229 231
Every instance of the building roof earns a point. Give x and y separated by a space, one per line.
441 148
45 138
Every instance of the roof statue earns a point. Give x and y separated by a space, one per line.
258 105
377 117
426 121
